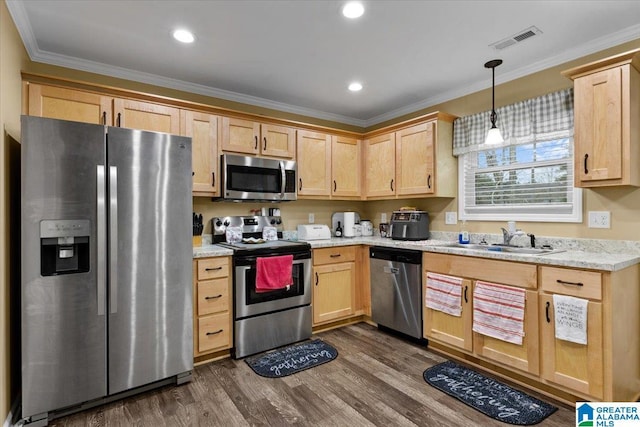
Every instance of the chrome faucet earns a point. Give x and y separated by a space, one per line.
507 235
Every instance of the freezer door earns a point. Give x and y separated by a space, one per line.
63 314
150 224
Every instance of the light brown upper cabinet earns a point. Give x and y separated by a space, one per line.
314 164
203 130
414 161
380 166
346 173
607 121
129 113
69 104
249 137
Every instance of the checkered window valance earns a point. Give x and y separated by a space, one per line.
544 118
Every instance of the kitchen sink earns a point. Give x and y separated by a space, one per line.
504 248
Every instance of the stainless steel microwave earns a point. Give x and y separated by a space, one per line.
246 178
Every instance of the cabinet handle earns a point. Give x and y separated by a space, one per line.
118 120
392 185
586 171
466 288
104 117
334 255
547 312
193 173
213 269
214 297
256 146
265 143
214 333
316 279
300 185
213 179
563 282
429 181
335 185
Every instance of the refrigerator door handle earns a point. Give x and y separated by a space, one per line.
113 239
101 232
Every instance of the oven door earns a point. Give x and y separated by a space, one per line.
249 303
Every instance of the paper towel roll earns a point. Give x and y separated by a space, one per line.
349 222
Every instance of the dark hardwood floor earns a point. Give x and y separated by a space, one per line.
375 381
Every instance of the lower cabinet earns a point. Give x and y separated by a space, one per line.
458 331
606 368
212 326
579 367
334 284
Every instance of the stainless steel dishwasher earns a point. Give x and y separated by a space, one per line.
396 289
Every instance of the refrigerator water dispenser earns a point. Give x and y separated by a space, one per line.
64 247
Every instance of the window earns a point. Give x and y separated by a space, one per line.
530 177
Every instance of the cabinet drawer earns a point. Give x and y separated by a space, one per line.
213 268
213 296
214 332
578 283
334 255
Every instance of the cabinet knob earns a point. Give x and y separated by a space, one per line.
300 185
392 185
335 185
213 179
215 333
265 143
429 181
256 146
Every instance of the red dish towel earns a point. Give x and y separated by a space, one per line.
274 273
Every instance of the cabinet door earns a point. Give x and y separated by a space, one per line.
69 104
146 116
203 130
414 160
579 367
333 292
448 329
598 126
314 163
523 357
345 167
380 160
240 136
278 141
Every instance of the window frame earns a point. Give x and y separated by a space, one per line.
533 213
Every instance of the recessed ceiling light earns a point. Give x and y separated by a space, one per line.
353 9
355 87
183 36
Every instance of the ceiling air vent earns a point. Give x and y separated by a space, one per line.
516 38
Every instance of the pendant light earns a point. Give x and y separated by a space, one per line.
493 136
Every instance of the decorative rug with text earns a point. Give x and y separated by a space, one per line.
489 396
291 359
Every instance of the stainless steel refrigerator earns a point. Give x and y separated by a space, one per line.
106 263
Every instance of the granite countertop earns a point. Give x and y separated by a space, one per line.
605 255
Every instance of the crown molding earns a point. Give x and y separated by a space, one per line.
19 15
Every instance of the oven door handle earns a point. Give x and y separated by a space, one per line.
283 179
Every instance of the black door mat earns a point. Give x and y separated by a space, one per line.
291 359
491 397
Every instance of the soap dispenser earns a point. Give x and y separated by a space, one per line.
463 236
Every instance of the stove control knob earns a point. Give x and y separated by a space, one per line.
226 223
278 221
218 223
273 221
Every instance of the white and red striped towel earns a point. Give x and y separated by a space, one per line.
444 293
498 311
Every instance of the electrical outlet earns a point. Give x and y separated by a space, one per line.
312 218
599 219
450 218
383 217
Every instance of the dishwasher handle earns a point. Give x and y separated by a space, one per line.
405 256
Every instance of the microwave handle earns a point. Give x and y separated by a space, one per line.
283 178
